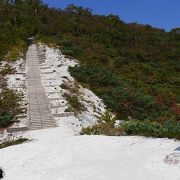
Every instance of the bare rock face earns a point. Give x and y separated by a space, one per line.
173 158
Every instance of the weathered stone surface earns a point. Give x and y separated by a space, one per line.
16 129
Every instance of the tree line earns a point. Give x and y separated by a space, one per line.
134 68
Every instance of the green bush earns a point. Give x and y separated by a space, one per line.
94 74
103 129
170 129
68 51
7 69
6 120
12 143
108 117
9 106
122 96
75 105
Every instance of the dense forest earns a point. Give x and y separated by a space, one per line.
134 68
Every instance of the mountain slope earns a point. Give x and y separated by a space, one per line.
134 68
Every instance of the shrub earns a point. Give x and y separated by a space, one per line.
9 105
170 129
11 143
67 51
108 117
6 120
94 74
71 95
3 83
16 51
71 88
7 69
74 103
122 96
65 86
103 129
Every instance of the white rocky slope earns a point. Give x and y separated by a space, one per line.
57 154
54 72
61 154
17 82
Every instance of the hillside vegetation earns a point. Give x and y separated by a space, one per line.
134 68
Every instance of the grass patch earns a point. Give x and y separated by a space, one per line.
107 129
12 143
71 95
74 103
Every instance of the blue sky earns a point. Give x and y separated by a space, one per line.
159 13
